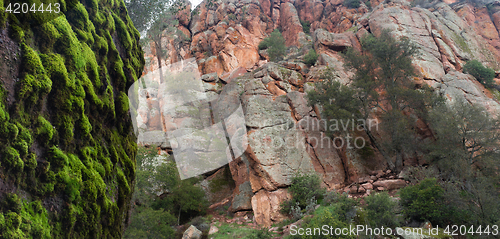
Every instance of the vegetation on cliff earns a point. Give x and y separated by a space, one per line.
275 45
461 181
161 200
67 154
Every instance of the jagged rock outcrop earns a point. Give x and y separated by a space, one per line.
67 157
285 134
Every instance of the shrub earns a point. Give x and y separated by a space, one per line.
303 188
381 210
425 201
150 223
337 215
352 3
369 5
483 74
306 26
311 57
275 45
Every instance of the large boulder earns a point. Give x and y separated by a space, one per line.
266 206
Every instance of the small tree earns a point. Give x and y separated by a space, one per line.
306 26
426 201
303 188
465 152
483 74
382 80
381 210
352 3
154 18
465 135
311 57
275 45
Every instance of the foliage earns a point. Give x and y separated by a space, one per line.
154 18
150 223
311 57
352 3
465 135
230 231
275 45
306 26
466 157
384 65
160 193
303 188
381 210
483 74
339 214
426 201
369 5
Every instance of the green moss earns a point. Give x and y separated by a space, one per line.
45 130
122 103
57 157
31 162
17 33
85 127
12 159
34 83
76 64
48 35
11 131
22 147
123 33
56 70
3 15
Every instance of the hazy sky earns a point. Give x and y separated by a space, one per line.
195 3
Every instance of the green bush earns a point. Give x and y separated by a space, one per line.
275 45
381 210
303 188
483 74
311 57
337 215
150 223
426 201
306 26
352 3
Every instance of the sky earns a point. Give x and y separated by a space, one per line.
195 3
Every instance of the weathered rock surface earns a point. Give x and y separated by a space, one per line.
266 205
192 233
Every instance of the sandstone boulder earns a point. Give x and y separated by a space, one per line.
390 184
266 206
192 233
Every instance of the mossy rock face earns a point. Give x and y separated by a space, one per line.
67 154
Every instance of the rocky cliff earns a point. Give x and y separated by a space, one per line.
223 37
67 154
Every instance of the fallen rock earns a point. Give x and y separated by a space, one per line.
213 230
192 233
333 41
368 186
390 184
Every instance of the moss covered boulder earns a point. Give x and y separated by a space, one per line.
67 154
